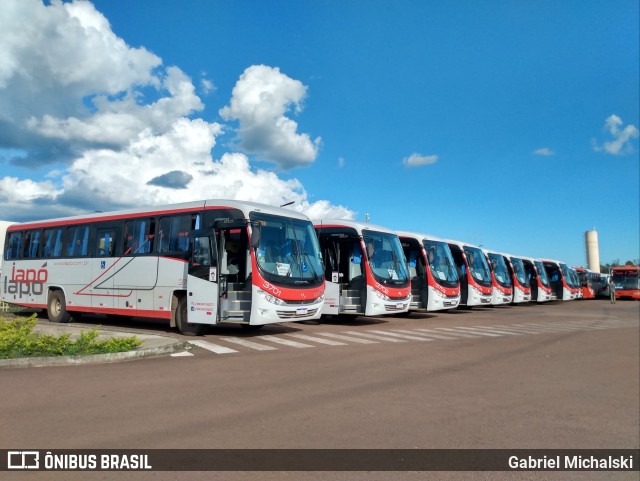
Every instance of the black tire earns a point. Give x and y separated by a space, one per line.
186 328
57 307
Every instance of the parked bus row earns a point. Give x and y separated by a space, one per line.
221 261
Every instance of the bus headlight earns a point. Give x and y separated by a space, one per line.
271 298
439 294
381 295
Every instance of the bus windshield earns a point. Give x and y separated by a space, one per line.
478 266
441 263
542 273
518 270
387 261
626 280
566 273
288 252
500 271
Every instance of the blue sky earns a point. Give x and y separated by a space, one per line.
508 124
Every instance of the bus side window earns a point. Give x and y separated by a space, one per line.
138 236
52 243
13 245
26 240
77 241
34 245
105 243
174 233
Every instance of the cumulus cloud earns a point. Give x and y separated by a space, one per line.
622 137
260 99
109 126
544 152
417 160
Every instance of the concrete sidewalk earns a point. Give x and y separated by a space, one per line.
152 345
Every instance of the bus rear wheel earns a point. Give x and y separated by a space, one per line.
184 326
57 307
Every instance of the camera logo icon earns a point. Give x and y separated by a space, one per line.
23 460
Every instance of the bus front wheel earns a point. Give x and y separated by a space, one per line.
183 324
57 307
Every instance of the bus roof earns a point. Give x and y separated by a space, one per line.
461 244
625 268
419 236
245 207
358 226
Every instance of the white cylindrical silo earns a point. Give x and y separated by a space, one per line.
593 254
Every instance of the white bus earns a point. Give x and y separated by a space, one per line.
434 280
501 278
4 225
194 264
521 288
474 274
574 282
538 280
365 268
558 275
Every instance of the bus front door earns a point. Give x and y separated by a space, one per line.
202 282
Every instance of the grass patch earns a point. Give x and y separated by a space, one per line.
18 339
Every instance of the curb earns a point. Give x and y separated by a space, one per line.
171 346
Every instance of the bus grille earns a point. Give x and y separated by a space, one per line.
293 315
303 302
395 307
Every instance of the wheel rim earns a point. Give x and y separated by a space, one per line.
55 307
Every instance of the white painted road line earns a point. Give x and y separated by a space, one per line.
414 332
347 338
182 354
554 327
373 336
209 346
317 339
519 330
286 342
249 344
486 329
479 333
539 329
456 332
402 336
438 335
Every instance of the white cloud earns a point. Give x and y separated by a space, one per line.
118 125
417 160
622 137
118 122
54 56
544 152
207 86
261 98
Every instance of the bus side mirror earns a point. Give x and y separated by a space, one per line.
256 230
